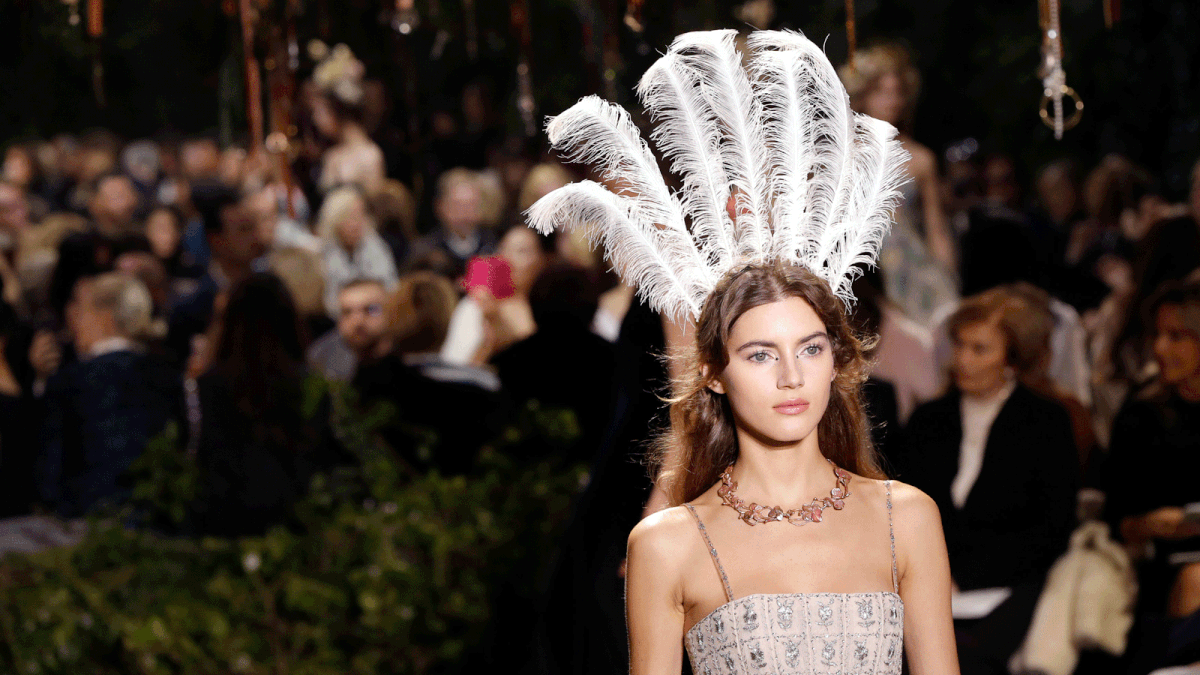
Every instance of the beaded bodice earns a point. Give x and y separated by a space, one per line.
807 633
801 633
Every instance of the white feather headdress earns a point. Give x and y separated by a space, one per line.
812 182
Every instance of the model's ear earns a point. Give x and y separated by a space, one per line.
714 384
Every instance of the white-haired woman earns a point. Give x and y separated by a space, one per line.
351 249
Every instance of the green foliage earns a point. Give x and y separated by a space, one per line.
391 574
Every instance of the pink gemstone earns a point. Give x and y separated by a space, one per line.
816 515
837 493
839 504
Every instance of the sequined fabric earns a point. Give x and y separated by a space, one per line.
806 633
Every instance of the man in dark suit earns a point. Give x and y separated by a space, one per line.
100 412
234 243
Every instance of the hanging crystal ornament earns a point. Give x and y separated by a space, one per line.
1054 78
73 17
405 17
526 105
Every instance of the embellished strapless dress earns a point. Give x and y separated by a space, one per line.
804 633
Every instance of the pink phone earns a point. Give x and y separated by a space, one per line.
491 273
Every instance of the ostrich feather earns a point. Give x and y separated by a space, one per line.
596 132
688 133
812 183
864 216
661 262
725 85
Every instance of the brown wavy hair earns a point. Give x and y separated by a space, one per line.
702 439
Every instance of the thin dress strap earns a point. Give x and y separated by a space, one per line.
713 552
892 535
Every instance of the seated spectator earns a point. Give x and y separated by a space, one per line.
1150 478
102 410
256 447
114 206
164 231
425 392
14 216
361 334
460 235
275 227
350 247
300 270
18 438
421 311
484 324
395 211
234 245
1000 462
563 301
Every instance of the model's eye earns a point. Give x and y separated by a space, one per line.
760 357
812 350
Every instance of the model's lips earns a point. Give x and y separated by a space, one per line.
792 407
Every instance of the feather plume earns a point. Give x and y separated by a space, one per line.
598 133
864 214
688 133
813 183
659 261
726 87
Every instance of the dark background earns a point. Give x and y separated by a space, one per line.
174 65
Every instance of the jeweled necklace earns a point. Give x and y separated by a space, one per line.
811 512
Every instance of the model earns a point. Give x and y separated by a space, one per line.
784 549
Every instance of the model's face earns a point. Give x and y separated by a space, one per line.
1176 347
779 373
886 100
980 359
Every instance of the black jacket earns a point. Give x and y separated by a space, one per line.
1019 514
99 415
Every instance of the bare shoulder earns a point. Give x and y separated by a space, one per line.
923 162
918 522
664 538
913 504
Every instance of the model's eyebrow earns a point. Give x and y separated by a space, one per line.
772 345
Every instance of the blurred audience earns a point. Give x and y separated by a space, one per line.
362 332
350 247
1001 463
258 445
101 410
459 235
1072 356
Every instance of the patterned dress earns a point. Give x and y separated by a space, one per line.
805 633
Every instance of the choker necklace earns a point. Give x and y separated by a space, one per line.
811 512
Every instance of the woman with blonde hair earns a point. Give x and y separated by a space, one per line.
350 247
918 258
